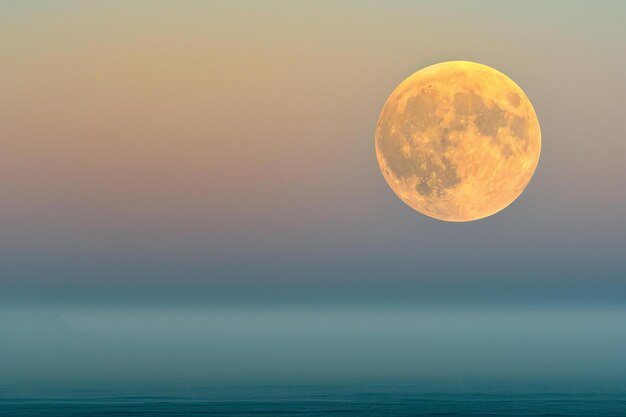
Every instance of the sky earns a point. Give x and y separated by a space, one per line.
181 165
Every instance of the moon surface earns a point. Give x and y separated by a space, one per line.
458 141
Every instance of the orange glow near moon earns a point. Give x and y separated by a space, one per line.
458 141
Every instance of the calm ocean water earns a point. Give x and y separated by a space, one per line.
310 401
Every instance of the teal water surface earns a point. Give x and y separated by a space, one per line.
310 401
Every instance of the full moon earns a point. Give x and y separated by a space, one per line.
458 141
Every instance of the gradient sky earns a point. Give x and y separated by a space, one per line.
222 153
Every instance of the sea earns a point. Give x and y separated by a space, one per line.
388 400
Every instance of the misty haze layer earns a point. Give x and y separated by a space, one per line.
570 347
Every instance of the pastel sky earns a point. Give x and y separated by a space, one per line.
196 144
206 152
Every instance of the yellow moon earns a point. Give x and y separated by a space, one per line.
458 141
